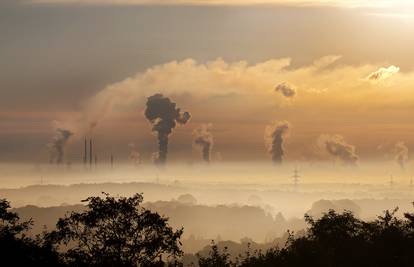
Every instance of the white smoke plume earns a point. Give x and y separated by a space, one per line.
400 152
57 145
134 155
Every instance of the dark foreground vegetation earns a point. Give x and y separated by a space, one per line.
120 232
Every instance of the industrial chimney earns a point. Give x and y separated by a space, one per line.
85 152
90 152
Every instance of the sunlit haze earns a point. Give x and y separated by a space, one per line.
223 114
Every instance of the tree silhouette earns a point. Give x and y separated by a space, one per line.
335 240
216 258
16 248
116 232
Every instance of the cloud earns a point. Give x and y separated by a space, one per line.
214 78
238 93
326 61
383 73
337 147
286 89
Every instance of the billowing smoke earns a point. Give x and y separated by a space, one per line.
58 144
336 146
400 152
383 73
163 115
134 155
286 89
203 138
274 139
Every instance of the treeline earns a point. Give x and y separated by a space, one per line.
120 232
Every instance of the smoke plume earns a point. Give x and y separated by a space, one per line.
134 155
336 146
58 144
274 138
400 152
203 138
286 89
164 116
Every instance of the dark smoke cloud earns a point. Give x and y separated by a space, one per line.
336 146
57 145
164 116
286 89
204 139
274 139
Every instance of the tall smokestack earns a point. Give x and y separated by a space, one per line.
85 152
90 152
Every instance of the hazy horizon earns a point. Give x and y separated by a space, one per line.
146 132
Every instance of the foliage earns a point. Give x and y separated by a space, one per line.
216 258
16 248
120 232
115 232
336 240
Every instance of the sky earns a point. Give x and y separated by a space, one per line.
338 72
